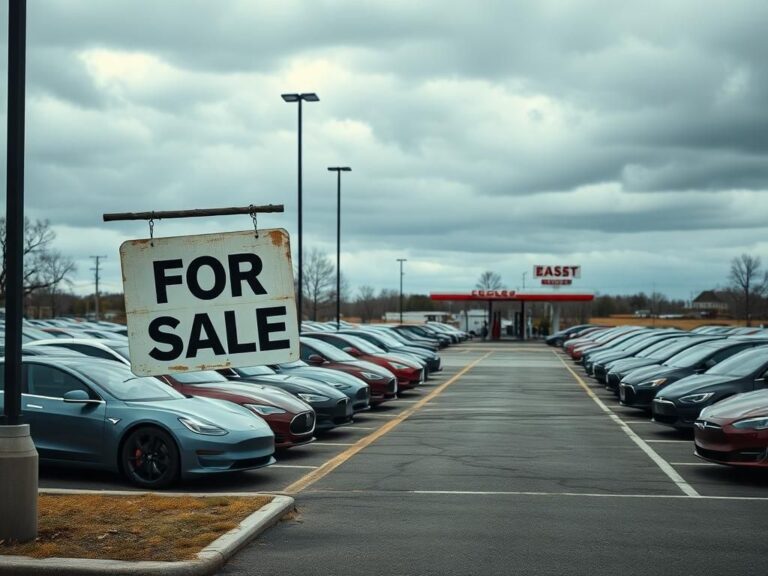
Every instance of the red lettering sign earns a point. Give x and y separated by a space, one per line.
540 271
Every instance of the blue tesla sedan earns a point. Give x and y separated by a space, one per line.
92 413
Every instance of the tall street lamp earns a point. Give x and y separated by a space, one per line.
338 170
299 98
401 260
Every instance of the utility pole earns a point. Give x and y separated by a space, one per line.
96 275
401 260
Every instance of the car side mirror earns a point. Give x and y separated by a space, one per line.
79 397
352 351
315 360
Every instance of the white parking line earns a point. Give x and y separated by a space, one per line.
694 464
584 495
358 428
333 443
369 415
294 466
633 422
650 452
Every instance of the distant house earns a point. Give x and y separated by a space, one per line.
709 304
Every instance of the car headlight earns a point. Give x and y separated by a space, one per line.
264 410
202 427
399 366
653 383
696 398
312 397
341 386
372 376
760 423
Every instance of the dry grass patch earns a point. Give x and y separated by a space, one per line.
141 527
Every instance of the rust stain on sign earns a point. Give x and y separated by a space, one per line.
180 368
277 238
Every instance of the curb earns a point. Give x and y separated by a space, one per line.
209 560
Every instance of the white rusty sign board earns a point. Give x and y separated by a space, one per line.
209 301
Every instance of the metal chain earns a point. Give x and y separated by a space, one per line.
151 231
255 222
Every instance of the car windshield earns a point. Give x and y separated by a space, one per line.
665 352
742 364
396 335
386 339
202 377
254 371
362 345
640 344
689 358
122 350
121 383
652 349
330 352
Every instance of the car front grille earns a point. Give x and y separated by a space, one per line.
664 411
749 455
363 393
303 423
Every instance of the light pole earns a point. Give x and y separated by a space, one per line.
338 170
524 275
401 260
299 98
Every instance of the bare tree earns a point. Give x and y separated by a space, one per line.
319 279
366 301
489 281
43 268
747 281
54 269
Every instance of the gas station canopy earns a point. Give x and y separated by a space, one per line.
512 295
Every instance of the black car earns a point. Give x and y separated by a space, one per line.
621 342
656 354
638 388
600 363
559 337
680 404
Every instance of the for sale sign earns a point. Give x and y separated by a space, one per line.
209 301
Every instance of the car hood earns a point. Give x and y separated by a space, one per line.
748 404
628 364
256 393
327 376
298 385
653 372
409 361
370 367
227 415
697 384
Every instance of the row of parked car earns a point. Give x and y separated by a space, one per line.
713 380
87 409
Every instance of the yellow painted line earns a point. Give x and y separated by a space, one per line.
333 463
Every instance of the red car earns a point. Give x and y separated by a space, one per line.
734 431
382 382
614 335
292 421
409 373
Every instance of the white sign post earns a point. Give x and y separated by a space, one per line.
209 301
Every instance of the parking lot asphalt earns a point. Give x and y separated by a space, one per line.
509 460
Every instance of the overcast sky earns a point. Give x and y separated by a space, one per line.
626 137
